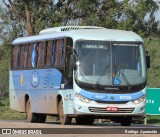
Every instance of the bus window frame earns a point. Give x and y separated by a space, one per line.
26 63
38 49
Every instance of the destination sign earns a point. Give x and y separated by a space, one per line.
94 46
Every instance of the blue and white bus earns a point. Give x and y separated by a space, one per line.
80 72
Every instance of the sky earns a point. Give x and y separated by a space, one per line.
158 12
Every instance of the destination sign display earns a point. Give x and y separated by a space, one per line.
94 46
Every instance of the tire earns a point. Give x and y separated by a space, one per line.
64 119
31 117
42 118
126 121
84 120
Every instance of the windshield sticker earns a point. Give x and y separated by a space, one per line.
117 81
125 44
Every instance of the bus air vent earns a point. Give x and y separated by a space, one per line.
112 102
66 28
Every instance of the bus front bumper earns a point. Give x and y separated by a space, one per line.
94 108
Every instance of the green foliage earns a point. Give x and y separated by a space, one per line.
4 69
127 15
153 47
153 119
7 113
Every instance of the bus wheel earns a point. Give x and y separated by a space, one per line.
42 118
84 120
64 119
126 121
31 117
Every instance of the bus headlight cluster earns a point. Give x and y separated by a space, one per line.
82 98
139 100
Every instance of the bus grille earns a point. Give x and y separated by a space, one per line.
112 102
104 110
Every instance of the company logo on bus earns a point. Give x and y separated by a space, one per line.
35 79
99 96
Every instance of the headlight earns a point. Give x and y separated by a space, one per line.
139 100
82 98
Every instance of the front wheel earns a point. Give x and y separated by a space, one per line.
126 121
64 119
84 120
42 118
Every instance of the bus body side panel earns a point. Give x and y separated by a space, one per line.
42 87
16 96
68 100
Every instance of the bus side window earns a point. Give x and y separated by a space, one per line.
15 57
22 56
49 53
40 54
29 62
59 57
25 55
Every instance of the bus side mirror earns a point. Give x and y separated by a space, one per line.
73 61
148 61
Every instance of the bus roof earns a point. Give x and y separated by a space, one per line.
90 33
66 28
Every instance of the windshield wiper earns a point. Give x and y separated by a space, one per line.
101 76
126 80
123 76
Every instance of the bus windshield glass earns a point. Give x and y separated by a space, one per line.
110 63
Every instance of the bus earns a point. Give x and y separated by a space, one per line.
81 72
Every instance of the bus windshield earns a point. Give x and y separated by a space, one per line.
110 63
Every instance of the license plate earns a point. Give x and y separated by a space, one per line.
112 109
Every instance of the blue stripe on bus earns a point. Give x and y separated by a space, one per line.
37 79
111 97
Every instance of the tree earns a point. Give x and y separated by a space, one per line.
33 15
138 16
4 69
28 18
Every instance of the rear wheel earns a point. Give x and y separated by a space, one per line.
31 117
64 119
42 118
126 121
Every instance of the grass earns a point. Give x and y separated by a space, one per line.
152 45
153 119
8 114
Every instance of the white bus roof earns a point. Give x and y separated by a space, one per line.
66 28
83 33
